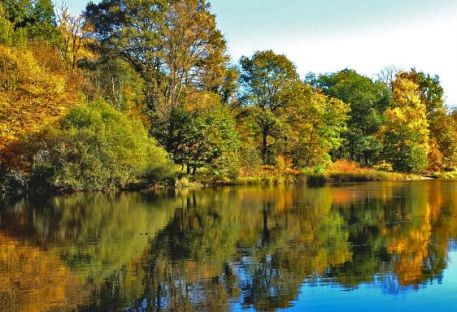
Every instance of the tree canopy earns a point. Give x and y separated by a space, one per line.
162 66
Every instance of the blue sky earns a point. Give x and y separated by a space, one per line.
329 35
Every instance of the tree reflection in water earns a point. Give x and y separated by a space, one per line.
207 250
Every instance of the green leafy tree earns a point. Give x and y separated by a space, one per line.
174 45
265 80
43 25
34 17
230 86
202 135
96 147
314 126
6 27
368 101
18 11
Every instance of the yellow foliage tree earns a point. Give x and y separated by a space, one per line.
73 45
406 130
32 97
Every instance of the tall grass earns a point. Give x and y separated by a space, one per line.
349 171
445 175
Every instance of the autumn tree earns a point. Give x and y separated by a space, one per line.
315 124
174 45
73 44
443 135
32 97
405 134
387 76
118 83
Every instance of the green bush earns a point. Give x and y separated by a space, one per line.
96 147
203 141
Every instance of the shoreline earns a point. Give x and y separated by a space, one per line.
303 178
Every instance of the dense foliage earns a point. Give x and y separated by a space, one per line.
96 147
102 100
368 101
202 135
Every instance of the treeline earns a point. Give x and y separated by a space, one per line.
136 93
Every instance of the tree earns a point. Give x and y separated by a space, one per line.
443 129
265 81
96 147
43 24
35 17
18 11
405 134
118 83
6 28
315 123
32 97
230 86
174 45
72 32
387 76
368 100
202 134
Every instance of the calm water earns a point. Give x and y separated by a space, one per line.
360 247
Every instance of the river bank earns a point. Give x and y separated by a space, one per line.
312 179
18 187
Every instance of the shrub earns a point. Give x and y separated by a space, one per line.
345 166
384 166
96 147
250 159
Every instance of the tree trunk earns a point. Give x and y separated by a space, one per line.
264 148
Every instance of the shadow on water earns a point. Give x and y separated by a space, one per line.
215 250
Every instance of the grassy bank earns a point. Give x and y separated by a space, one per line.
345 171
370 175
340 172
310 178
261 175
445 175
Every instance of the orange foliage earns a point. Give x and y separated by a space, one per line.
435 157
283 167
343 165
34 93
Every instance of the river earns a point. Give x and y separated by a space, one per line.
354 247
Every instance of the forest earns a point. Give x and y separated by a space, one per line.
130 94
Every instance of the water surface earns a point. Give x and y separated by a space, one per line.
358 247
